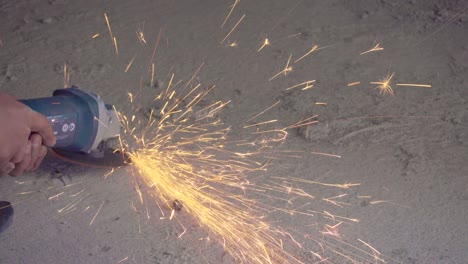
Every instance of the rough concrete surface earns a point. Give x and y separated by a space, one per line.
408 151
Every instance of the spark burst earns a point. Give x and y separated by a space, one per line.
384 85
182 154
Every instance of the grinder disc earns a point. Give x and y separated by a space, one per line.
110 159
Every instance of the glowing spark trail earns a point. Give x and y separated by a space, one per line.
307 85
140 34
414 85
375 48
230 12
113 39
314 48
129 64
353 83
384 85
287 69
66 76
266 42
264 111
97 212
232 30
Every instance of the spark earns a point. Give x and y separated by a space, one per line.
97 212
314 48
71 205
116 46
122 260
337 185
156 45
294 35
414 85
233 44
264 111
262 123
375 48
66 76
307 85
287 69
327 154
232 30
55 196
230 12
23 193
266 42
140 34
369 246
113 39
95 36
384 85
321 103
129 64
152 74
102 123
353 83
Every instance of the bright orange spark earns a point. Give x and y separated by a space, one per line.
327 154
116 47
129 64
113 39
307 85
230 12
375 48
287 69
232 30
266 42
141 34
353 83
414 85
66 76
95 36
384 85
264 111
122 260
314 48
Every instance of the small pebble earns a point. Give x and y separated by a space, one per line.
177 205
46 20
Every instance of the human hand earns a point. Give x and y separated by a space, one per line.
34 153
19 136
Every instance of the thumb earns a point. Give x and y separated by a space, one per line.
39 124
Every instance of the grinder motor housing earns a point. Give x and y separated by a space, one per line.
81 121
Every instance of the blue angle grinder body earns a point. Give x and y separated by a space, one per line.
83 127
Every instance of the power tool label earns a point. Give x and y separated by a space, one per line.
64 127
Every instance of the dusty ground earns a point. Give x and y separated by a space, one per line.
408 150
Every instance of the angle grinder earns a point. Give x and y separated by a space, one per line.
84 127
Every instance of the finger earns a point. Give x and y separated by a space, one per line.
38 161
40 125
36 151
21 166
7 168
18 157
